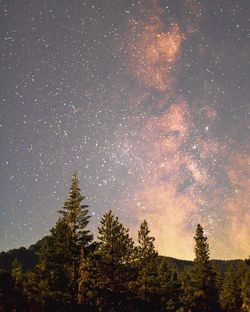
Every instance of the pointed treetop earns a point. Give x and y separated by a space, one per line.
201 246
114 238
146 247
73 203
76 213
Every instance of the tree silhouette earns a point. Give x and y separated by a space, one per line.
205 295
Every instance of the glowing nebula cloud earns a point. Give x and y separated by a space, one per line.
179 182
153 52
182 173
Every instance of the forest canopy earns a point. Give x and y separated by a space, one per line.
69 271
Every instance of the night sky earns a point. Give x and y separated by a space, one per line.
147 100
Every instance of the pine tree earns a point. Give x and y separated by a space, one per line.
52 279
230 296
58 259
115 254
115 245
146 249
76 216
146 284
55 279
204 278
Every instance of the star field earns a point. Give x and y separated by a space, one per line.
147 100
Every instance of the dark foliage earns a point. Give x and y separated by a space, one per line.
66 271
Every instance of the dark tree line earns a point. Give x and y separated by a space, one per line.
75 273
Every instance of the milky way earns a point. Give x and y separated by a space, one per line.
147 100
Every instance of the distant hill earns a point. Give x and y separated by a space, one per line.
219 265
29 258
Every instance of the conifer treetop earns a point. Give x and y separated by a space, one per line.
201 246
76 214
114 238
146 247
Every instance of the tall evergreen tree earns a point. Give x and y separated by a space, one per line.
59 262
205 288
146 249
52 280
76 215
115 253
146 284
